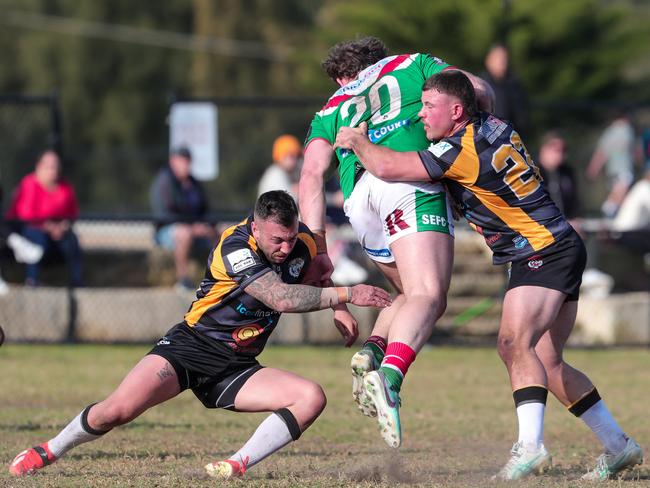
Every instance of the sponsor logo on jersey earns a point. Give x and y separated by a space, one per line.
163 342
440 148
240 260
492 128
243 336
383 253
434 220
295 267
520 242
492 239
377 134
242 309
535 262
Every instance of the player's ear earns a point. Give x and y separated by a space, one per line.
457 111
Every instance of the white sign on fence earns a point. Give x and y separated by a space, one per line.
195 125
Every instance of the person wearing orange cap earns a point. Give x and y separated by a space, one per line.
287 152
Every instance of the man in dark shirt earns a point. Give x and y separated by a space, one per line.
179 206
557 174
511 102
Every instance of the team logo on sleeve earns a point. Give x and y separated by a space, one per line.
243 336
240 260
439 148
492 128
295 267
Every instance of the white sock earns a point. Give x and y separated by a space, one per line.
73 435
271 435
600 421
531 424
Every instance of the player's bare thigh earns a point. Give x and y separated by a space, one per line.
424 262
389 270
528 312
271 389
151 381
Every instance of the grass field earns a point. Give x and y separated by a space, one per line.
457 415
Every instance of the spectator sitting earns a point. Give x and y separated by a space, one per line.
46 205
287 151
557 174
615 152
634 214
179 205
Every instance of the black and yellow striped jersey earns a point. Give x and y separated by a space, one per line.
222 309
491 176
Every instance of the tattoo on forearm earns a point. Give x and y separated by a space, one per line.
165 373
274 292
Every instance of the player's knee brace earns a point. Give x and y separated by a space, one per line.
292 424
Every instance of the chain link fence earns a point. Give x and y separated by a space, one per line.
129 293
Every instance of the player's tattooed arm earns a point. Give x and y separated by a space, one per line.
282 297
273 292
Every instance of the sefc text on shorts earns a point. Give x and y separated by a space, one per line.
213 372
382 212
558 267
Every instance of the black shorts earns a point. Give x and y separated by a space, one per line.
213 372
558 267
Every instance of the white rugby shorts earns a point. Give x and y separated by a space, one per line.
381 212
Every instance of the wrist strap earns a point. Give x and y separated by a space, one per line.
344 294
321 242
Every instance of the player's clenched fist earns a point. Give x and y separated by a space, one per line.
347 137
369 296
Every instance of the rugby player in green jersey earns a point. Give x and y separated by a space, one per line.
491 176
404 228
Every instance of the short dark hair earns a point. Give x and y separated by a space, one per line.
277 205
346 59
182 151
455 83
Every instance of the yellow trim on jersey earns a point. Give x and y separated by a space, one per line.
214 296
309 242
519 221
465 168
223 285
252 243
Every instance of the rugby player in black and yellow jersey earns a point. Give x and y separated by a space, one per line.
253 275
490 175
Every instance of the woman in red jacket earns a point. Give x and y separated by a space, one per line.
46 204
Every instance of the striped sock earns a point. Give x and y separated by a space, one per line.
397 360
376 345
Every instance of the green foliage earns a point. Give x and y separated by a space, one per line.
114 94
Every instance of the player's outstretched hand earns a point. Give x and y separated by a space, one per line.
370 296
347 137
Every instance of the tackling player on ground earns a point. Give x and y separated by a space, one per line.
253 275
405 228
491 176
